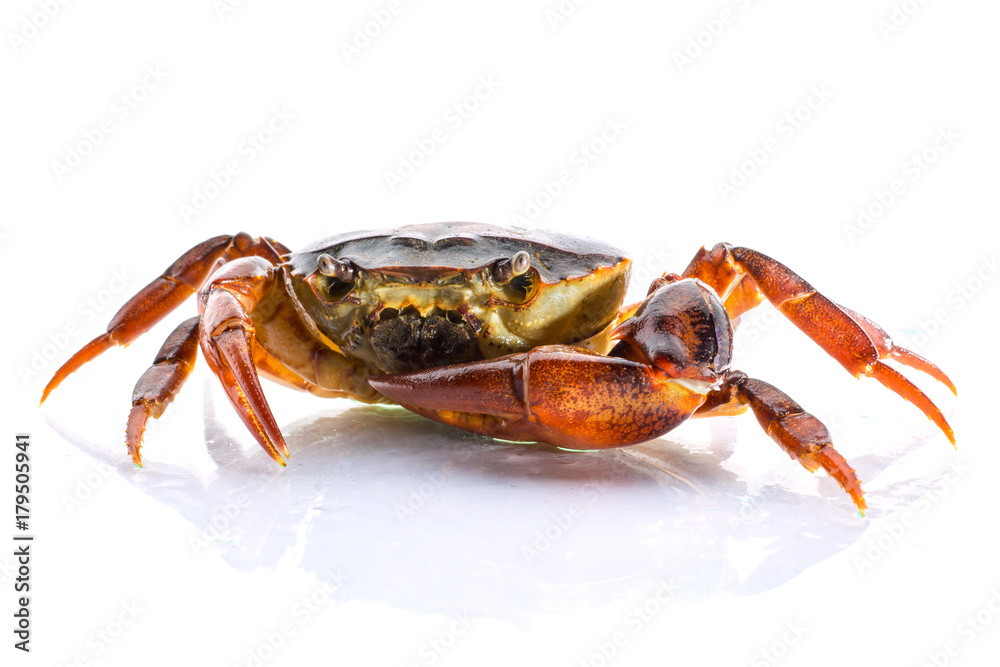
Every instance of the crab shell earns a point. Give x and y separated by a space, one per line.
422 296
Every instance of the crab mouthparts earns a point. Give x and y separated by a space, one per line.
406 341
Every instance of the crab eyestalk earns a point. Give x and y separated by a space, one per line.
335 268
507 269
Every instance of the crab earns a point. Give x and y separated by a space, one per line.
514 334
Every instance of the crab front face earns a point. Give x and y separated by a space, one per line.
430 295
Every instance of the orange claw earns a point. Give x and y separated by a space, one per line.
558 394
243 388
227 339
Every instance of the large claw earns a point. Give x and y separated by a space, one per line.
227 339
561 395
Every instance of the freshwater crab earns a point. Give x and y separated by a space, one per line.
509 333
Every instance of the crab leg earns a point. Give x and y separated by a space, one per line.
887 349
802 436
744 277
227 340
154 301
160 383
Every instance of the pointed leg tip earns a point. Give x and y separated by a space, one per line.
859 501
273 451
947 430
51 386
274 454
82 356
137 419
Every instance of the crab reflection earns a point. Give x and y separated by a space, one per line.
427 518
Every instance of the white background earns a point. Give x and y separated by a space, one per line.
208 552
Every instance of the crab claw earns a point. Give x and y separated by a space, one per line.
242 385
227 339
562 395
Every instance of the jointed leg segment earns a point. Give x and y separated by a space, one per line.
799 433
744 277
157 299
161 382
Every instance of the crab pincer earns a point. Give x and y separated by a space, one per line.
672 358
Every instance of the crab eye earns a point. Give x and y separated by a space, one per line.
335 268
507 269
514 278
336 277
